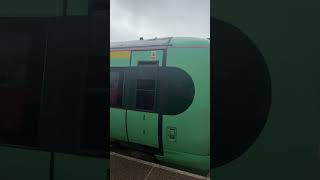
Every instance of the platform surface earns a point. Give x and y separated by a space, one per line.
128 168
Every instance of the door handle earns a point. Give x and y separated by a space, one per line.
172 134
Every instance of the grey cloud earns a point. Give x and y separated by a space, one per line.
131 19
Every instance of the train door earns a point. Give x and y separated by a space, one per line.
119 61
142 95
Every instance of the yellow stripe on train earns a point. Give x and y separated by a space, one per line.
120 54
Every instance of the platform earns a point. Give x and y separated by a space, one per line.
129 168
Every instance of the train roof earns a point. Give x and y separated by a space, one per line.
161 42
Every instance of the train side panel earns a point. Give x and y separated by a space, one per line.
192 143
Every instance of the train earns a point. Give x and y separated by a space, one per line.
160 99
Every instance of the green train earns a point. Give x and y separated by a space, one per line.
160 99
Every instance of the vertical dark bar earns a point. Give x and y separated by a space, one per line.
96 133
62 105
51 171
126 120
65 7
160 125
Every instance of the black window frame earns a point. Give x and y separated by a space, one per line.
154 91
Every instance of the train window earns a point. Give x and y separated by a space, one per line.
146 84
116 88
145 94
148 63
176 93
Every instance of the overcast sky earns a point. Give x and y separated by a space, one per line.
131 19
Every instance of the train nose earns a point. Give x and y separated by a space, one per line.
241 93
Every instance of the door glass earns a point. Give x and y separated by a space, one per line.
116 85
145 94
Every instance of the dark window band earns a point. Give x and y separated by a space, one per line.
141 92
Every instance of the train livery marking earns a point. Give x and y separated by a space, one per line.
120 54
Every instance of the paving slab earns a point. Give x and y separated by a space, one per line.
128 168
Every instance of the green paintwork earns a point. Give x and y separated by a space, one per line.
193 125
287 34
118 127
191 148
143 128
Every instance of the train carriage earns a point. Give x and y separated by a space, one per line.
159 99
